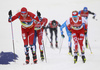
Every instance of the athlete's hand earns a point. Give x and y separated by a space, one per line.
93 17
46 33
85 31
38 14
9 19
43 27
63 36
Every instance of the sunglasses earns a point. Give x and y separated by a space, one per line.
24 13
74 16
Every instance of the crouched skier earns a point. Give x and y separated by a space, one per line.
53 27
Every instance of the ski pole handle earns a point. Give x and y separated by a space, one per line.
10 13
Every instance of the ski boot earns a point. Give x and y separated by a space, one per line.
27 59
77 53
83 58
51 45
75 59
41 55
56 45
34 58
70 51
86 43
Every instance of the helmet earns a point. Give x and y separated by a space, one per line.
85 9
75 13
53 22
23 10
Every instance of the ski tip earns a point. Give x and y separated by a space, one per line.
33 63
96 19
25 64
70 54
75 62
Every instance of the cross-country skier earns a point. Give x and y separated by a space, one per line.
69 36
39 33
27 18
53 27
78 26
85 13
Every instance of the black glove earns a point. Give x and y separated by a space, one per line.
63 36
39 14
85 31
93 17
46 33
43 27
10 13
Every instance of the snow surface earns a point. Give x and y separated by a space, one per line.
59 10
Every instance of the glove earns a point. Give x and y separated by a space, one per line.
43 27
85 31
93 17
70 31
46 33
10 14
38 14
9 19
63 36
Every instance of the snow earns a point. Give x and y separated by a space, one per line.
52 9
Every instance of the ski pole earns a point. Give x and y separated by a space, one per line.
61 40
89 47
44 52
13 40
10 16
48 38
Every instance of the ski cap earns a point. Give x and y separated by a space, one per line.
85 9
74 13
23 10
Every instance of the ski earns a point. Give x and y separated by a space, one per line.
70 54
33 63
25 64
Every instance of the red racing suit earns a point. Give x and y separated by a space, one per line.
84 14
39 33
78 31
27 26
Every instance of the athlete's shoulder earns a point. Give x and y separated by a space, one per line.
30 13
50 22
68 20
80 11
18 14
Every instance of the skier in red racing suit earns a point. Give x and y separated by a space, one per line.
78 26
26 18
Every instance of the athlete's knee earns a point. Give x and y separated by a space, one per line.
26 49
33 48
41 47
